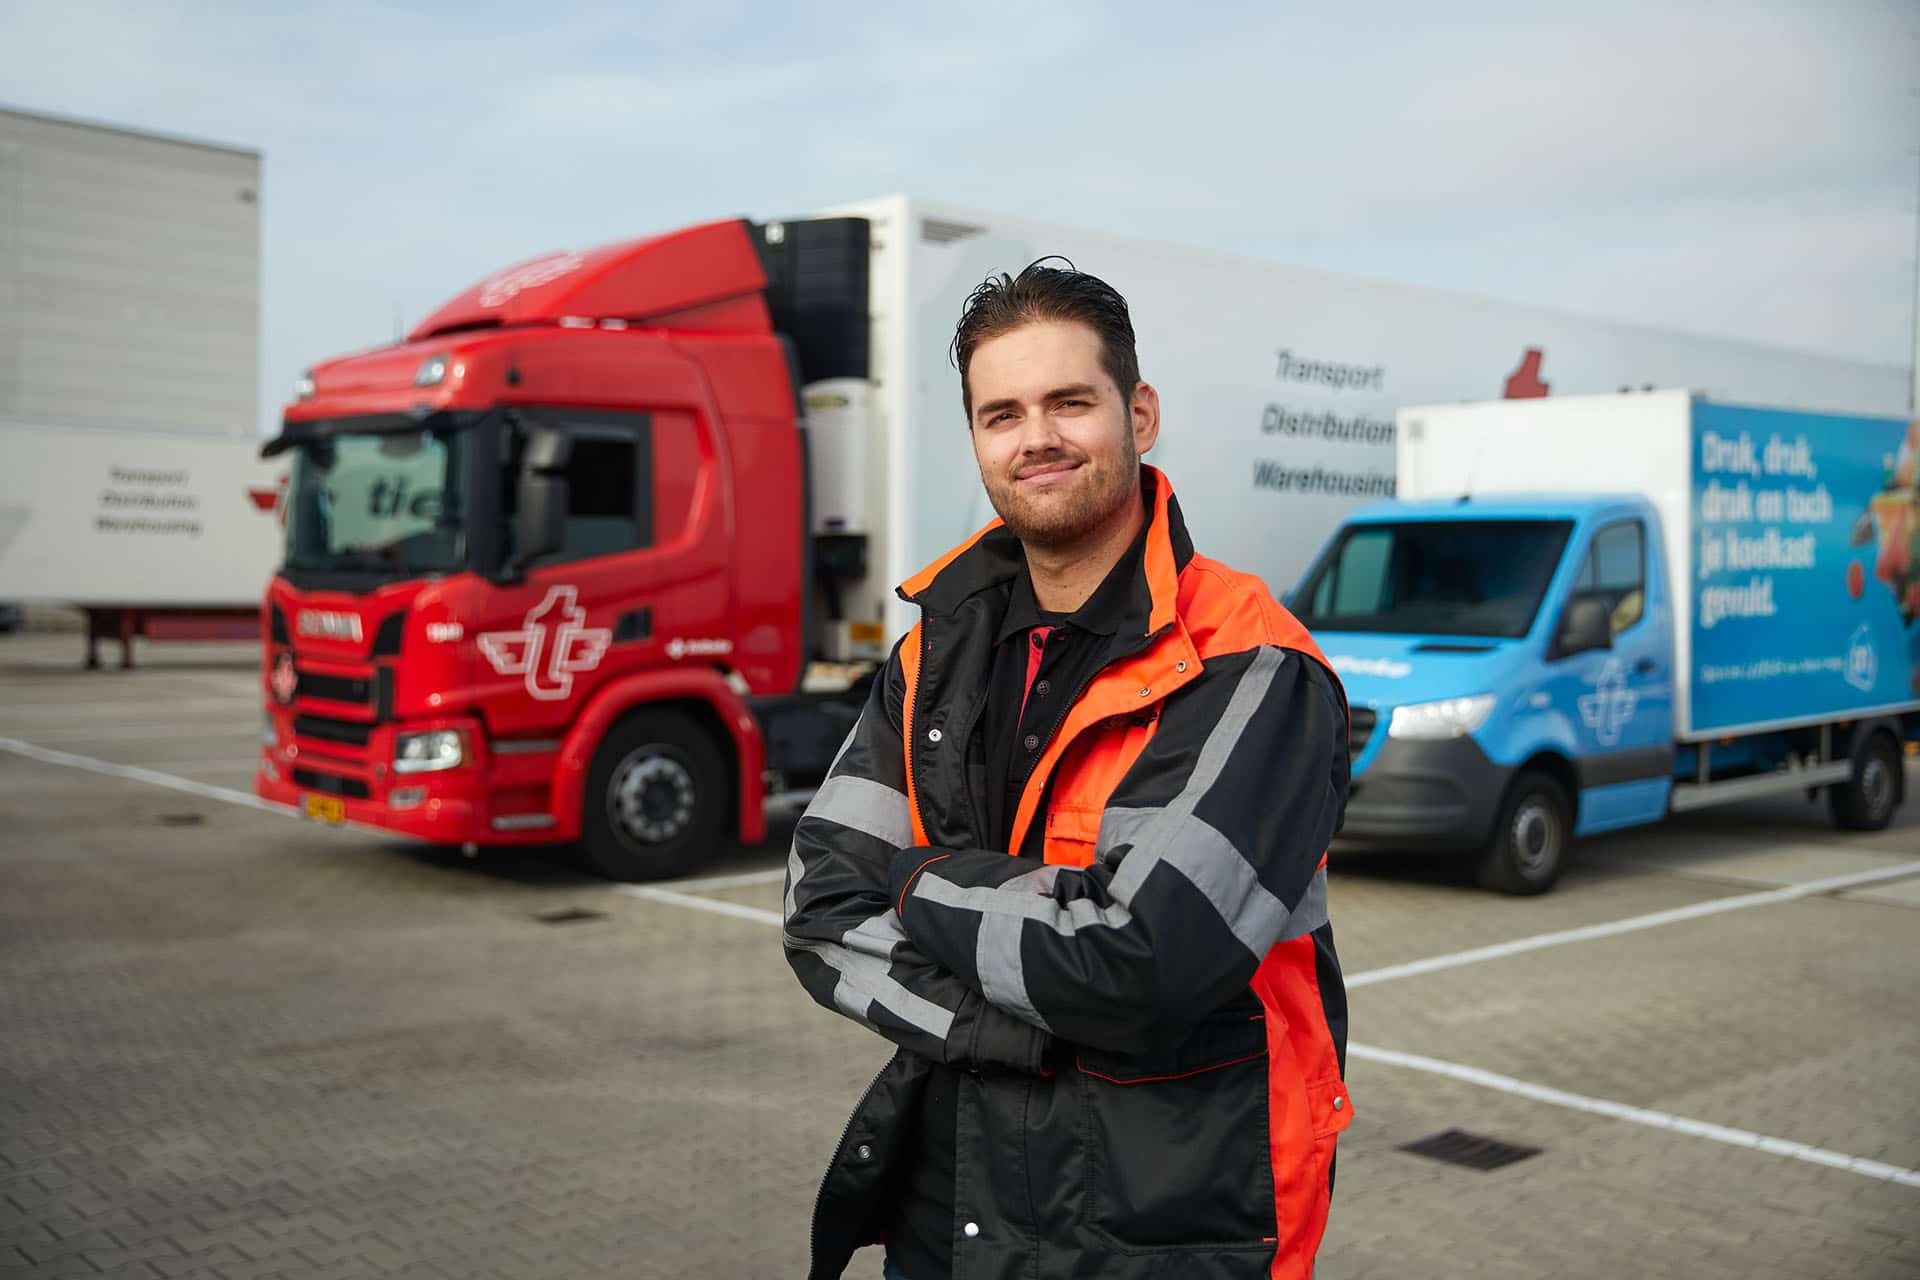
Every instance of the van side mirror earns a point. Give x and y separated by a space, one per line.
1586 624
540 525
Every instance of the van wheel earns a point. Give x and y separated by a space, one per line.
1866 801
656 798
1529 845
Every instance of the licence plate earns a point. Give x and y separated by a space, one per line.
324 808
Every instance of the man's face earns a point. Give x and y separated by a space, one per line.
1058 444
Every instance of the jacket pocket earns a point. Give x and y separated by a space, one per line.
1177 1143
1329 1106
1072 832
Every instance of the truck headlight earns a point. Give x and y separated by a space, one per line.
429 752
1447 718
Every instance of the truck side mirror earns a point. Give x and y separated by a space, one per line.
540 525
1587 624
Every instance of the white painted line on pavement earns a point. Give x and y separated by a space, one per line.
154 778
773 875
1638 1115
1632 924
246 800
134 773
717 906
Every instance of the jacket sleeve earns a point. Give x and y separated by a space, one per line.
1211 851
842 934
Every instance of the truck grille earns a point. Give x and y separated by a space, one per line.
1360 731
330 783
328 729
336 688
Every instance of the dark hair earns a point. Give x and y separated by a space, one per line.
1002 303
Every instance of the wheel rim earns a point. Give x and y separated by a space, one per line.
1536 838
1876 786
651 797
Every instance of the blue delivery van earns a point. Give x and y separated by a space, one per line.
1585 614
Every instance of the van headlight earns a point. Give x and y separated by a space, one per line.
1447 718
429 752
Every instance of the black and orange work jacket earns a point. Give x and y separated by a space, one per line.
1150 1023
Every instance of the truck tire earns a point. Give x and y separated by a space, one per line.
656 798
1867 800
1529 845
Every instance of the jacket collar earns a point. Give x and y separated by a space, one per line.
993 557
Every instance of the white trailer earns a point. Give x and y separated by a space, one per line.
130 524
1280 385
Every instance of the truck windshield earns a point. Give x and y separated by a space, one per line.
1434 577
384 504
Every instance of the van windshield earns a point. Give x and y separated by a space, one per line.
1434 577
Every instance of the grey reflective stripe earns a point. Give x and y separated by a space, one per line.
997 958
795 866
864 805
1312 911
1247 697
1212 865
1081 913
795 869
1193 847
866 981
876 935
1121 828
1124 828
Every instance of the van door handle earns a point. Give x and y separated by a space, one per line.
1645 667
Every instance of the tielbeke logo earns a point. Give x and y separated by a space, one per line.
552 646
510 283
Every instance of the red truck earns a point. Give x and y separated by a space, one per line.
604 550
549 574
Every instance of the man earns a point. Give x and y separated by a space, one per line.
1121 1047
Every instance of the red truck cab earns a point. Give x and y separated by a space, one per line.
548 572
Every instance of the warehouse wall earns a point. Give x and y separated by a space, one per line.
129 279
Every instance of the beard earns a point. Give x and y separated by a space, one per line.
1060 516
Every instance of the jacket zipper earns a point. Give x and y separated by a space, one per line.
833 1165
919 705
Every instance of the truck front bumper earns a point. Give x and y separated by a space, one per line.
491 800
1442 795
441 819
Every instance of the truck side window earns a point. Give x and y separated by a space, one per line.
1615 571
603 499
610 502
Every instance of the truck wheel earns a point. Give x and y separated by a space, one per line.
656 798
1866 801
1529 845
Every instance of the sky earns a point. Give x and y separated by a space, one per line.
1748 169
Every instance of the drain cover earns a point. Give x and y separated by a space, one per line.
182 819
569 915
1470 1150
